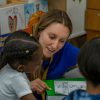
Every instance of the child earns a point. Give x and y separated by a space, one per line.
89 65
18 56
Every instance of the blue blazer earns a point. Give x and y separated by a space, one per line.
63 60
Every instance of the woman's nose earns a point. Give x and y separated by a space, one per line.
55 44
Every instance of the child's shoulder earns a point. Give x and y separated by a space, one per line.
81 95
8 73
75 95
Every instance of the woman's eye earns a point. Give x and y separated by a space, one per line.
62 41
52 37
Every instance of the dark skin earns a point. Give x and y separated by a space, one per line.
28 97
38 85
22 68
29 67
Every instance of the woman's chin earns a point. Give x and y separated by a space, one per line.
47 55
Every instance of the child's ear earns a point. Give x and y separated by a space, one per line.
21 68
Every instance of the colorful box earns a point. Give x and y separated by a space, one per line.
62 87
2 39
12 18
2 2
41 5
35 6
28 10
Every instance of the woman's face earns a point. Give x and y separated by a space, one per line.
53 38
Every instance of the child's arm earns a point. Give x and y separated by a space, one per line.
21 88
28 97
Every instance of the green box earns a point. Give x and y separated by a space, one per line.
50 83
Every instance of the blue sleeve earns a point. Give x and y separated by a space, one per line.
65 98
63 61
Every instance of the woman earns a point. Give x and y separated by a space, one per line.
52 32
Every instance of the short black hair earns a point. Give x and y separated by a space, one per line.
89 60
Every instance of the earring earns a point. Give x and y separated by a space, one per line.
21 68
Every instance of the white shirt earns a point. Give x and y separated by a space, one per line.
13 84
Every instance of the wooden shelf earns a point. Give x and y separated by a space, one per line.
92 19
57 4
93 4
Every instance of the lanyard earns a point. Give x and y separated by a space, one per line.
45 75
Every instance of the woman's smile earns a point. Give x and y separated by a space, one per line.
53 38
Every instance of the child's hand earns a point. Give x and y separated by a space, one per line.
39 86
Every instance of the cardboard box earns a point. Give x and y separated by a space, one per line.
28 11
2 39
35 6
3 2
41 5
12 18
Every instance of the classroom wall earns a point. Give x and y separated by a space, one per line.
76 11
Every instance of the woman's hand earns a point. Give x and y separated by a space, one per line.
39 86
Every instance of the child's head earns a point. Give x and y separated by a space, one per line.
22 54
89 61
17 35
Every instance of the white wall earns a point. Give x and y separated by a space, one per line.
76 11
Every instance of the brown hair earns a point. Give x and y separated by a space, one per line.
53 16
